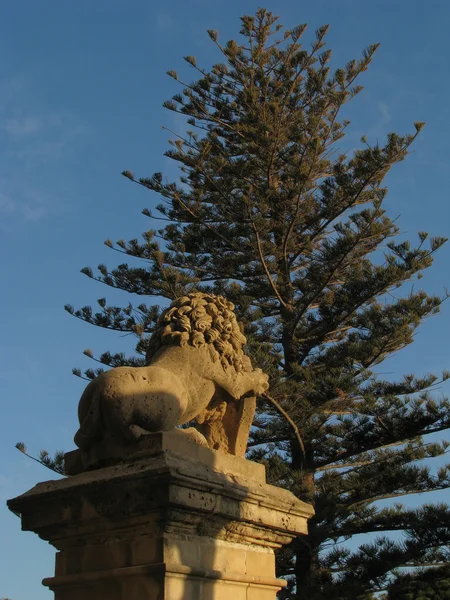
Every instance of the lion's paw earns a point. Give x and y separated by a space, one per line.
261 382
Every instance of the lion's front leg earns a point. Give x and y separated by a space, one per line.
245 383
253 383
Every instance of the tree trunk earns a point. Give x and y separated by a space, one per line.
305 554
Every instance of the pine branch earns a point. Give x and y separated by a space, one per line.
264 264
285 415
55 464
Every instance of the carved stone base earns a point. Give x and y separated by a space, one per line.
176 522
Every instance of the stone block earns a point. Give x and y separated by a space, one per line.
259 561
178 523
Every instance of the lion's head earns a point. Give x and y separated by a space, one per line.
202 319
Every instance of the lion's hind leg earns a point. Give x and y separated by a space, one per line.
128 401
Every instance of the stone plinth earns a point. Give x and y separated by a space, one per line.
177 521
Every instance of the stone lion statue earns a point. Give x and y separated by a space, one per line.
196 373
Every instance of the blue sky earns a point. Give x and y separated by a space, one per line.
81 89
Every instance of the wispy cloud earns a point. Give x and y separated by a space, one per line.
22 126
41 152
385 113
33 213
32 142
18 127
164 21
10 89
47 148
6 204
25 203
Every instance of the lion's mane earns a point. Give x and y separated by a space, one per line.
200 319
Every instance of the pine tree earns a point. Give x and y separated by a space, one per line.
269 214
430 584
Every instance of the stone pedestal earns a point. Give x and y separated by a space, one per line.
173 521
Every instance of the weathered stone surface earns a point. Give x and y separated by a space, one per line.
196 370
178 522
